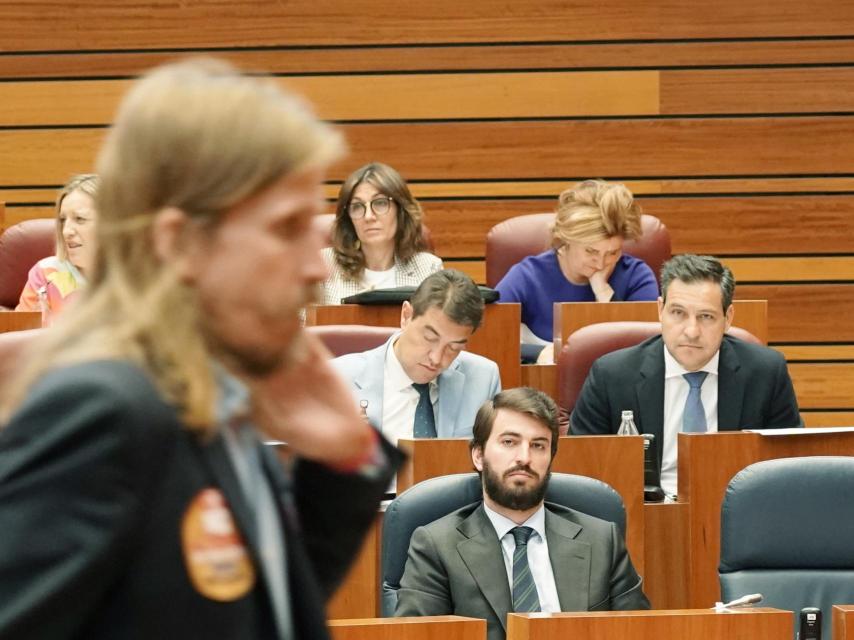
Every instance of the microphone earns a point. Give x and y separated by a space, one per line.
743 601
810 627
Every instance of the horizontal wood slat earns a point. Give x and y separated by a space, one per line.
381 97
448 58
485 95
126 24
757 91
817 352
823 386
547 190
828 418
806 313
524 149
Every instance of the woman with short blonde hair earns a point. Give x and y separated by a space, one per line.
585 262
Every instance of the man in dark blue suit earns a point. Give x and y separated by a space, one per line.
692 377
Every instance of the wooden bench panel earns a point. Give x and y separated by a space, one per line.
125 24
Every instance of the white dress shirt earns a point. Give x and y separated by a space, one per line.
538 555
400 399
675 394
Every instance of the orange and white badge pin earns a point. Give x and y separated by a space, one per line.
214 551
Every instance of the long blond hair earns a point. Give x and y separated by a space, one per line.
194 135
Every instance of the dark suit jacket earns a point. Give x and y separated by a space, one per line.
96 473
455 566
754 390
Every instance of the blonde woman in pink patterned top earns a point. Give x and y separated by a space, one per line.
53 282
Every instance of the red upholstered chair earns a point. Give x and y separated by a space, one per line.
12 347
21 246
589 343
351 338
325 220
516 238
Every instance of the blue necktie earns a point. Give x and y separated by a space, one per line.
525 597
425 421
694 415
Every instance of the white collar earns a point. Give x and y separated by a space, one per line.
672 368
503 524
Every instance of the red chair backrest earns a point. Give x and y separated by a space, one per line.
589 343
21 246
521 236
351 338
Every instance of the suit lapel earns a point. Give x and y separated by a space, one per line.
570 562
650 394
451 383
731 387
370 382
218 463
481 552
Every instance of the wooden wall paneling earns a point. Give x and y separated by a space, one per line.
524 149
828 418
375 97
755 225
486 95
823 385
801 90
452 57
806 312
124 24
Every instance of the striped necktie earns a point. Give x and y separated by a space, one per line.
525 597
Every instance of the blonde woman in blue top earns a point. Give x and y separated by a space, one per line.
586 262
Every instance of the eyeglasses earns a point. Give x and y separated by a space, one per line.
379 205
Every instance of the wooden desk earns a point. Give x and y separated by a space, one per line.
424 628
358 596
496 339
843 622
684 624
19 320
615 460
751 315
707 462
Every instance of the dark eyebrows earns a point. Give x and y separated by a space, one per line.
438 335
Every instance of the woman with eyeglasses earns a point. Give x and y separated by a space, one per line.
376 237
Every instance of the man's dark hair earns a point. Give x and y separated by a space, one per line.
525 400
690 268
454 293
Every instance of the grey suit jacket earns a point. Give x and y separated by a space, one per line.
470 381
455 566
754 390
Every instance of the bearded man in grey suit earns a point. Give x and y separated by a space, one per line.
554 558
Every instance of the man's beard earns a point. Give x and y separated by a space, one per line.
518 498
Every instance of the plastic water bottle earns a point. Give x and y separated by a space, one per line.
627 425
